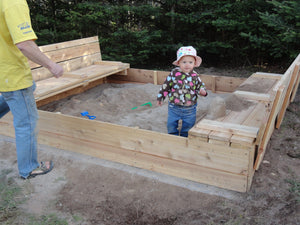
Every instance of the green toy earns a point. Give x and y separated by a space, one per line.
148 103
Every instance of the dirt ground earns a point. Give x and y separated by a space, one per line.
85 190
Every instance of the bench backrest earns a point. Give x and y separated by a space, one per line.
70 54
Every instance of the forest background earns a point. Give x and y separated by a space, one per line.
147 34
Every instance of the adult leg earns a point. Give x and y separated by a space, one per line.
24 110
188 119
173 118
3 107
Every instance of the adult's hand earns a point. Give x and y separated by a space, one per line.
56 70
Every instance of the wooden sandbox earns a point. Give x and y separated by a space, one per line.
224 152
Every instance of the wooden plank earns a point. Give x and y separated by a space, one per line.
136 75
155 77
76 76
161 76
213 84
257 85
236 117
222 84
268 75
112 63
294 92
68 44
46 99
250 178
239 141
219 178
284 81
212 136
70 65
233 128
167 166
60 55
148 142
256 118
286 101
268 129
53 86
94 71
203 133
253 95
227 84
142 141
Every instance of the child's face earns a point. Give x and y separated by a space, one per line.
187 63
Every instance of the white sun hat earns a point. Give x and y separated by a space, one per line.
187 50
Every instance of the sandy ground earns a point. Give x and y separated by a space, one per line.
134 105
103 192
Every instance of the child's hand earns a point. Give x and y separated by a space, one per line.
203 92
159 103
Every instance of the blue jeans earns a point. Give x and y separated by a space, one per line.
23 107
185 113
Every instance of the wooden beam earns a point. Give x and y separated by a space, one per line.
229 137
60 55
213 84
216 165
285 79
155 77
227 84
222 84
286 100
42 73
256 118
268 129
259 85
253 95
232 128
275 76
69 44
66 93
294 92
81 77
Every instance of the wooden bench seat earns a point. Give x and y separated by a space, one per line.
241 127
82 63
235 127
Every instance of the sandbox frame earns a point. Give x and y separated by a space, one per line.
207 156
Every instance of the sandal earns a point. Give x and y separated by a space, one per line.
44 168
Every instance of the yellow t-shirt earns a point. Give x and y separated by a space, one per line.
15 27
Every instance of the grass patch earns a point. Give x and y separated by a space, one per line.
11 197
50 219
10 194
294 188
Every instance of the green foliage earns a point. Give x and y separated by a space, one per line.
295 188
11 196
283 22
9 192
144 33
50 219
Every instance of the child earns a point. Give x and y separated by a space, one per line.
182 86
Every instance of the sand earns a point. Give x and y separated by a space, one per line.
134 105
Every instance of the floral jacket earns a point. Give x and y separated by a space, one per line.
181 88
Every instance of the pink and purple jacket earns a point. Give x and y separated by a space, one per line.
181 88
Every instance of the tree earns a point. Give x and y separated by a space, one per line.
148 32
